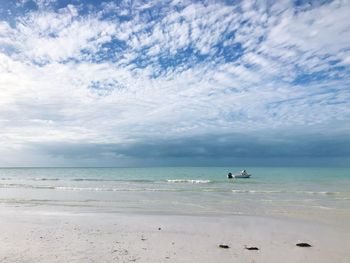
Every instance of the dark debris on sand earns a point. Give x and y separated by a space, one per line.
303 245
251 248
224 246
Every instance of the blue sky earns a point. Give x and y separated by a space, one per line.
124 83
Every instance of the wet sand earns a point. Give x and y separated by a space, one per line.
33 235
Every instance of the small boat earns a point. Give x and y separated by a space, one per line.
243 174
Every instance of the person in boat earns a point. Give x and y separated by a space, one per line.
229 176
244 172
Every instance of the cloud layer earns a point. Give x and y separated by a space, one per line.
172 78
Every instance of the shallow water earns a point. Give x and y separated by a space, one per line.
311 192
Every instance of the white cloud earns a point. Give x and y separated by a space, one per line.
54 37
52 89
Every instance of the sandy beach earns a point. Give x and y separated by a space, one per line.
34 235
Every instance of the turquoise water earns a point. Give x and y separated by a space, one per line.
309 192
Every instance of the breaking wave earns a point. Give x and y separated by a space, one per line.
189 181
284 192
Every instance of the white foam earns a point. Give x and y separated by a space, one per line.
257 191
189 181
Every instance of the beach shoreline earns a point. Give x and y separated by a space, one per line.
38 235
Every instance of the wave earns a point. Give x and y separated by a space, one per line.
192 181
319 193
112 180
257 192
45 179
98 189
163 187
80 179
29 179
26 186
69 188
285 192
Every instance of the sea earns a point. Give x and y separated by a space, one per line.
304 192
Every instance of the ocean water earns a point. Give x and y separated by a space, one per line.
311 192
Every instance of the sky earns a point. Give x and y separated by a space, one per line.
169 82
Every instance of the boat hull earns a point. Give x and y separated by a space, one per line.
241 176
